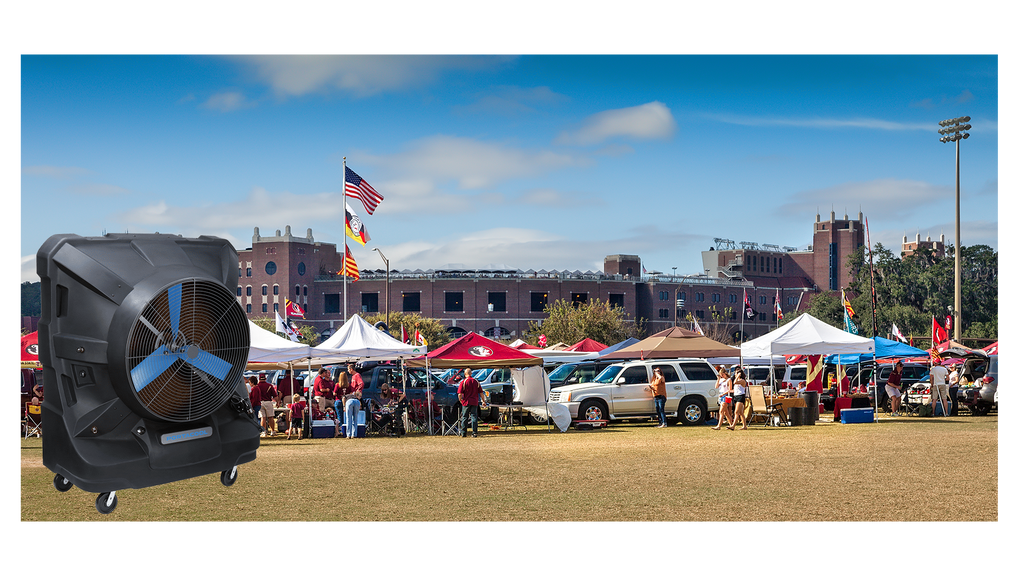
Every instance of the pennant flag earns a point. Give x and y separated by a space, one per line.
349 268
354 227
697 328
778 305
911 340
848 315
938 333
285 328
420 339
933 355
896 332
292 309
356 187
405 335
748 310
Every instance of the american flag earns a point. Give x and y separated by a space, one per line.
356 187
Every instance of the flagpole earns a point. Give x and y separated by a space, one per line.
871 271
344 237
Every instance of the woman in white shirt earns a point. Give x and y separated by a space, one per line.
739 399
724 399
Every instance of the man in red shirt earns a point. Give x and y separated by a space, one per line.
470 395
323 389
267 394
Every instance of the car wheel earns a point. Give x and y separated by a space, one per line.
692 412
980 409
535 419
593 410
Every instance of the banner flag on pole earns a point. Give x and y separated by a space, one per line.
778 305
356 187
284 328
896 332
349 267
292 309
354 227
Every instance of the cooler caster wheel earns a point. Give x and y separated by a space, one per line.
228 477
61 483
106 502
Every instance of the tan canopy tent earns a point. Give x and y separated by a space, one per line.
674 343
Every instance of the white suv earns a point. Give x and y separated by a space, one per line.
620 391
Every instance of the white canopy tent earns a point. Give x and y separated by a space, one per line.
266 347
807 335
358 340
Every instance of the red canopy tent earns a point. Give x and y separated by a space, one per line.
30 351
992 349
475 351
586 345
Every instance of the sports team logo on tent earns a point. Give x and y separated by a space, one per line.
481 351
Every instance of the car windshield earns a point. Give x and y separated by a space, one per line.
607 376
561 373
417 379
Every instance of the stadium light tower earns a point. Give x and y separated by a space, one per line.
955 130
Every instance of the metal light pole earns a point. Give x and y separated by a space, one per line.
954 130
387 288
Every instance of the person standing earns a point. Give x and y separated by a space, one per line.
894 387
267 393
470 393
739 399
340 391
657 387
724 399
323 389
940 388
352 405
296 410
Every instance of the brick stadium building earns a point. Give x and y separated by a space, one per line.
503 303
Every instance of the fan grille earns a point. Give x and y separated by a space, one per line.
187 349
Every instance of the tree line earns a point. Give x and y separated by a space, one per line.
909 291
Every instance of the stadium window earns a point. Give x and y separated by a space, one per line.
732 298
496 302
578 298
248 272
332 303
410 301
248 290
248 308
264 308
453 301
275 289
617 300
264 289
370 302
538 300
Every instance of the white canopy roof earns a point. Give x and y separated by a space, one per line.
267 347
807 335
358 340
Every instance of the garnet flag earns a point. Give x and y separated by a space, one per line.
356 187
349 268
405 335
778 305
292 309
938 333
748 310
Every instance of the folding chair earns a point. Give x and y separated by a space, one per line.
33 420
761 409
450 420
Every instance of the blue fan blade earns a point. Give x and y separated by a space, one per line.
153 366
210 364
174 302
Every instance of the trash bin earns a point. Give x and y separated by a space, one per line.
811 398
796 416
810 416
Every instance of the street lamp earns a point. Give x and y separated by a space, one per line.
954 130
387 288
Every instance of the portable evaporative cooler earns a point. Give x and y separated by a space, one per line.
143 345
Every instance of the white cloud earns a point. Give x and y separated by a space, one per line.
201 219
510 100
890 198
823 123
98 190
228 101
358 75
28 269
472 163
648 121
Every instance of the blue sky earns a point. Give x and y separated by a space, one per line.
535 161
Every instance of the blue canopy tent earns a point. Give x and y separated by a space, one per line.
884 348
619 346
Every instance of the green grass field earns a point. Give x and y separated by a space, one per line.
894 469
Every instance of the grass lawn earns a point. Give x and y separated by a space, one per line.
906 469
